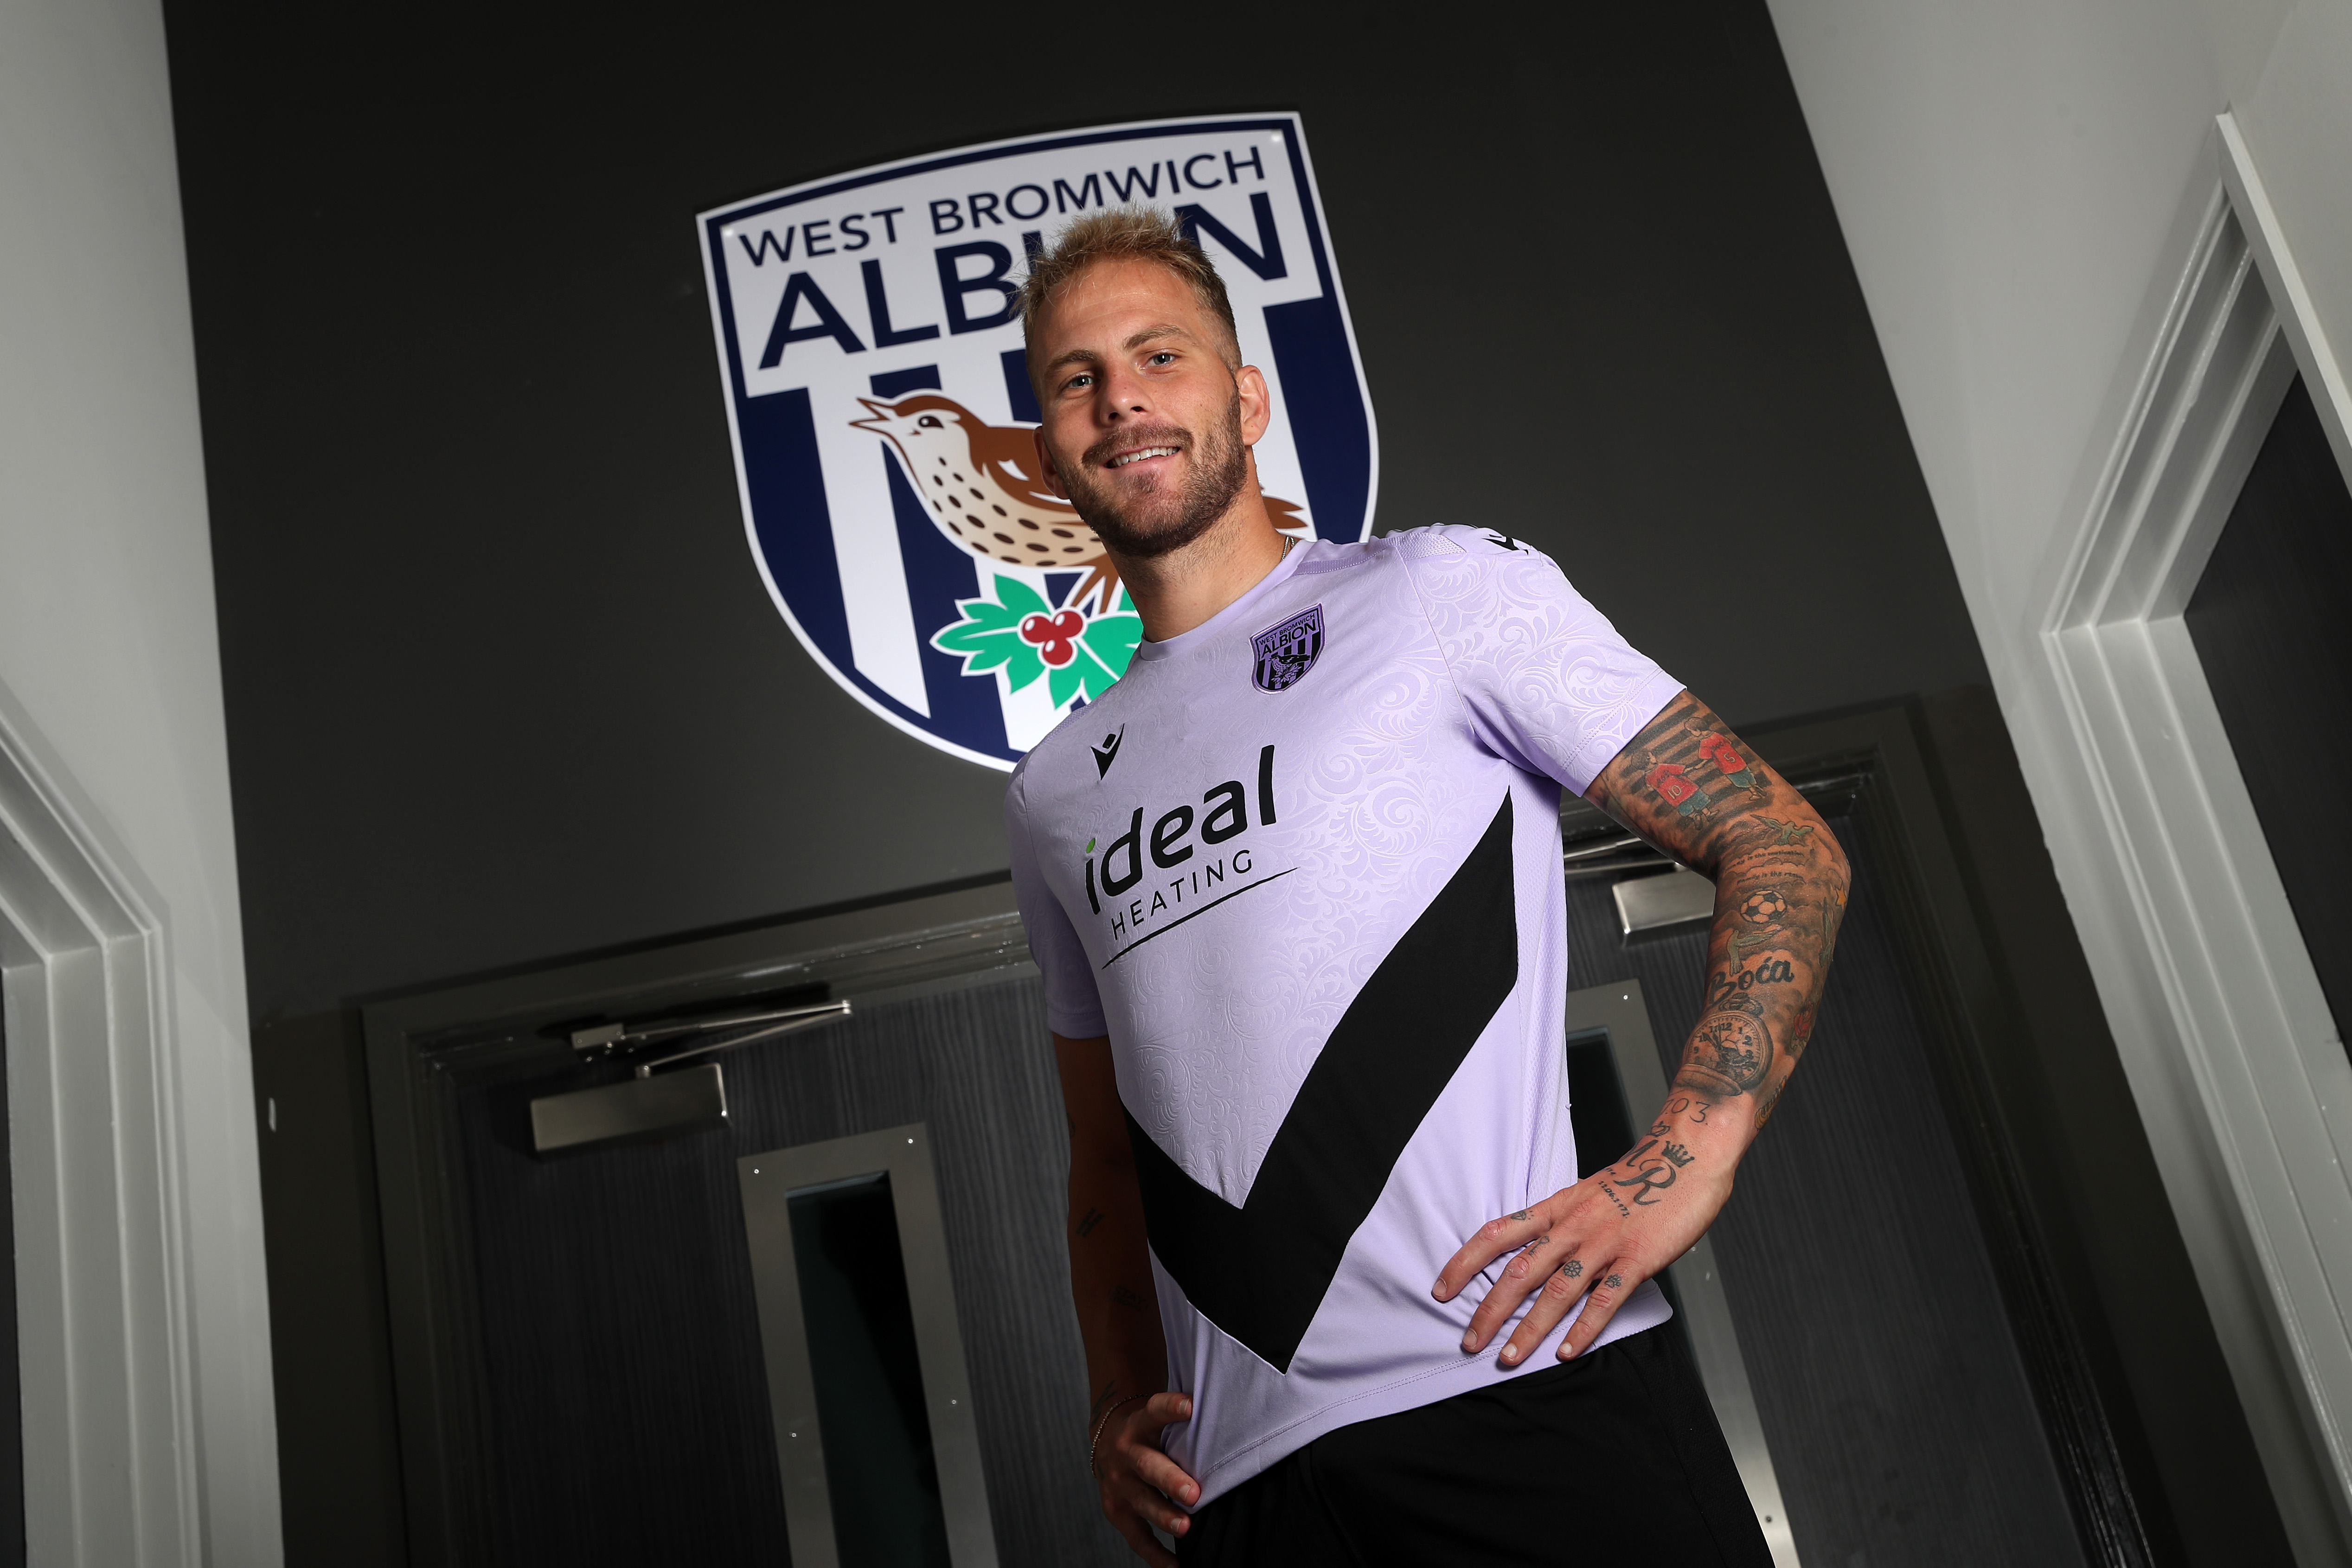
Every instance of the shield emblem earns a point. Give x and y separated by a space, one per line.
1283 654
878 398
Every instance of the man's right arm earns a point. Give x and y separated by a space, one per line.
1118 1314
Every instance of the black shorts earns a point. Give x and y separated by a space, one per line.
1612 1458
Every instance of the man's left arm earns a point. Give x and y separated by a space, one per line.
1687 785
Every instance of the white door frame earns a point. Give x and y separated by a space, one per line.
2234 1059
111 1468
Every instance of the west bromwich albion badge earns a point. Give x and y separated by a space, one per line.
880 402
1281 656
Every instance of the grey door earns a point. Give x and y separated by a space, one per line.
619 1339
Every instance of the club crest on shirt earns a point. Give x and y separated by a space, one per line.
1283 654
869 342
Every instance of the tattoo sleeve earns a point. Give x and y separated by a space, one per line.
1687 785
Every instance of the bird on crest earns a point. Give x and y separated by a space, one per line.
987 498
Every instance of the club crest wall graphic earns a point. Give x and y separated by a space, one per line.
881 411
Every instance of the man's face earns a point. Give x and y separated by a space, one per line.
1146 429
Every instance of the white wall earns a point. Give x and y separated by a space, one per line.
2012 177
106 633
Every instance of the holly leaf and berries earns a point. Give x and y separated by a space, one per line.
1019 633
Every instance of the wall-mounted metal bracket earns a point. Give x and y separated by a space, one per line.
644 1108
789 1021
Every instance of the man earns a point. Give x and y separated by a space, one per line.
1295 887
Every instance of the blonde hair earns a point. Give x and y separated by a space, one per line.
1135 232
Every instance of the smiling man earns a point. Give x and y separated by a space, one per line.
1295 887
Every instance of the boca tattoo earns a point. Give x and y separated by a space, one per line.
1768 972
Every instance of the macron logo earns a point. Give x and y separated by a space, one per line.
1107 752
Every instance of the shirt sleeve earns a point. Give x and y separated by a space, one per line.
1550 684
1073 1006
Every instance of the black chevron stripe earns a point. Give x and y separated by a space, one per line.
1260 1271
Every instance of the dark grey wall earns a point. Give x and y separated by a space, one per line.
503 681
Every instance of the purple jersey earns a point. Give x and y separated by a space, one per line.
1302 865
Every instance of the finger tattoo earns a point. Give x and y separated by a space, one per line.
1613 1281
1572 1267
1521 1215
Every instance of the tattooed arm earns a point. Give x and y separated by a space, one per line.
1687 785
1118 1318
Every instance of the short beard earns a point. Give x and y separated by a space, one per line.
1156 525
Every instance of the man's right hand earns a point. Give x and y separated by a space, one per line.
1138 1482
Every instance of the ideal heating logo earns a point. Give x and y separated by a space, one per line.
1204 870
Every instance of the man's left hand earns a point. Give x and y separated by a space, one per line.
1597 1240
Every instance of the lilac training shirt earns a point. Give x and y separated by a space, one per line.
1301 864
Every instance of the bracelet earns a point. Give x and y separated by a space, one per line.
1095 1440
